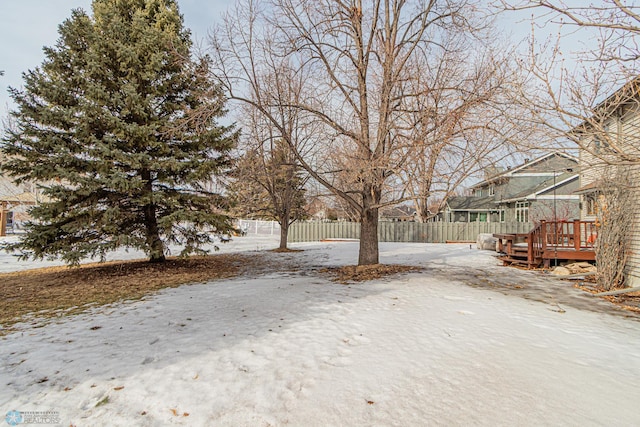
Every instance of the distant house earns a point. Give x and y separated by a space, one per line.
540 189
325 209
15 201
400 213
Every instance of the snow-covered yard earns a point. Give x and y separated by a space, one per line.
294 348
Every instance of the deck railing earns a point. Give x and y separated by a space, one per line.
575 235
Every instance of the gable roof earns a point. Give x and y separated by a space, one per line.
543 187
628 92
470 203
515 170
12 193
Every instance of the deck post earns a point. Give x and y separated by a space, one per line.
577 241
543 234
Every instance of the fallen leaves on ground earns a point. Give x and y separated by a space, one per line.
361 273
50 292
629 301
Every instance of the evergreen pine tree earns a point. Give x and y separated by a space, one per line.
119 126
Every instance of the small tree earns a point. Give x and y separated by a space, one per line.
269 185
118 125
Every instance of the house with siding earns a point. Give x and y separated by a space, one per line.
609 143
539 189
15 202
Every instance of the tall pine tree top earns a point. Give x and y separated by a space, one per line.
119 127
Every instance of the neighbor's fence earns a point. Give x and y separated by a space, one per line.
431 232
265 228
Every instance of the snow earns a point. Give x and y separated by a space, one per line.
295 348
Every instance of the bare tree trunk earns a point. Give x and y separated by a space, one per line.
368 254
369 227
284 230
284 235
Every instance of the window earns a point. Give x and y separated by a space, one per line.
502 215
522 211
492 190
591 207
610 134
477 217
594 203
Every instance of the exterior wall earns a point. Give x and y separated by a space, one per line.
565 210
633 262
501 191
591 168
630 134
509 212
624 133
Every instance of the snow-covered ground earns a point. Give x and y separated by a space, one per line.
295 348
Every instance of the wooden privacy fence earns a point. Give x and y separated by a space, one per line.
430 232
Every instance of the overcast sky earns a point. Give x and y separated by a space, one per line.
28 25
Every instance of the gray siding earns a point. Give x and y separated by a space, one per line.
625 135
630 134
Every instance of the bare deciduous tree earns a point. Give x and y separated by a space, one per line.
462 119
267 181
353 61
581 87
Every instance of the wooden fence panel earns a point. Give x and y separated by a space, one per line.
432 232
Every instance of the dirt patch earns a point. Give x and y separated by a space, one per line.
361 273
48 292
286 250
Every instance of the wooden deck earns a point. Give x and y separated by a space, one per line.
551 241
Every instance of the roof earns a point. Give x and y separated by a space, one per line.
12 193
470 203
589 188
401 211
512 171
628 91
543 187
